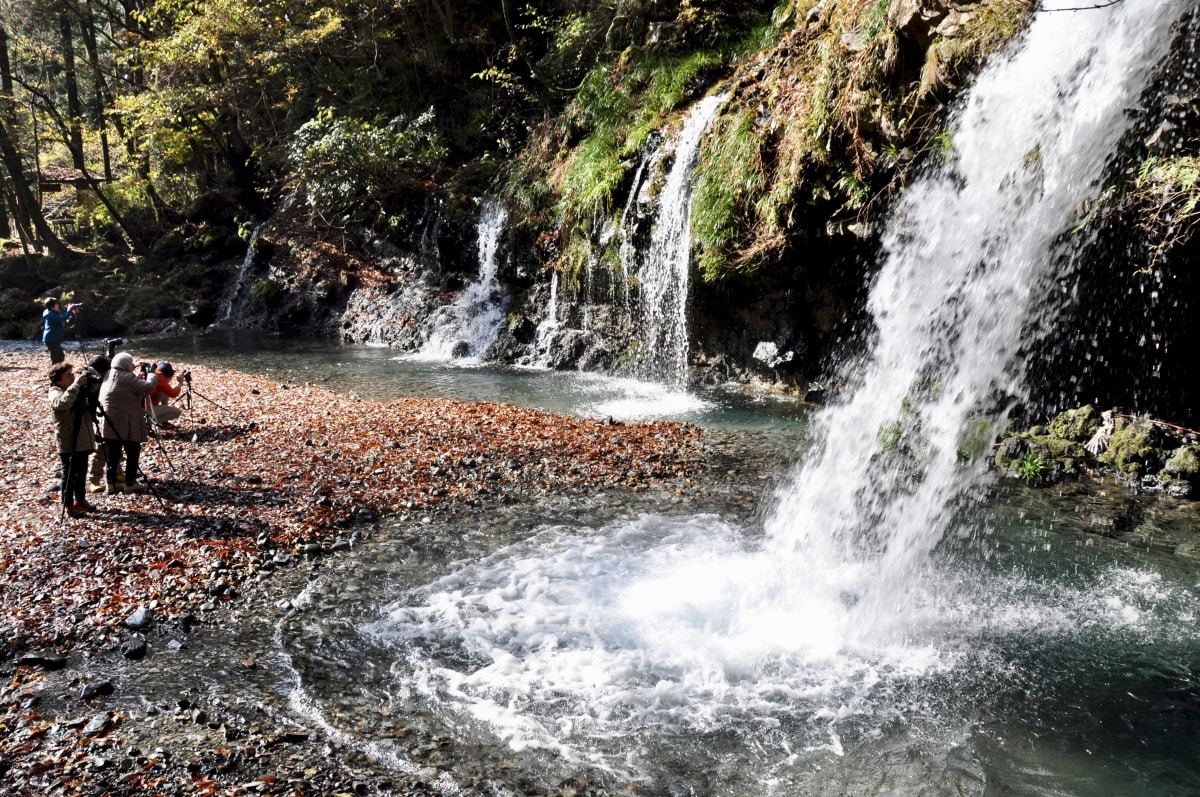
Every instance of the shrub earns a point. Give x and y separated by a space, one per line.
342 162
264 293
1033 468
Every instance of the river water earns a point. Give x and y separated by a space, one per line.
381 373
1049 646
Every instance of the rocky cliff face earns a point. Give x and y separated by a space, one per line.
788 303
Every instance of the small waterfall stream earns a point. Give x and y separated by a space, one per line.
466 328
234 303
663 270
891 629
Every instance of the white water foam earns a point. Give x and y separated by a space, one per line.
580 638
635 400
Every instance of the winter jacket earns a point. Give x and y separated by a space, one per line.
121 398
52 330
68 422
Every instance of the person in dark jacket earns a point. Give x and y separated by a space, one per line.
95 480
53 334
74 434
124 400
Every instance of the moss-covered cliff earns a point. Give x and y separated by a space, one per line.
366 180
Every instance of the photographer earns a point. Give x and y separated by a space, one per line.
73 433
160 399
53 334
101 365
124 428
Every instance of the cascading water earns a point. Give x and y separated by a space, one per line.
967 257
230 310
465 329
844 651
664 269
548 326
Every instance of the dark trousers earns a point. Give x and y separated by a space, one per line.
74 477
57 354
113 449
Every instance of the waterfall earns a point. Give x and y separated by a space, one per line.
967 255
547 327
838 652
466 328
227 317
663 269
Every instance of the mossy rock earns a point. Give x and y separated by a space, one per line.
1077 425
1184 464
1037 465
1133 448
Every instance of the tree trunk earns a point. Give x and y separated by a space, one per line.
5 223
99 95
27 206
74 109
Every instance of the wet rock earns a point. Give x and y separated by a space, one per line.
140 619
97 725
46 659
134 648
97 689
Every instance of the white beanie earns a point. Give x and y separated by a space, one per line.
123 361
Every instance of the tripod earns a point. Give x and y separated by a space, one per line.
189 392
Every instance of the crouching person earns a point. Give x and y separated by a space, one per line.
74 434
124 429
160 399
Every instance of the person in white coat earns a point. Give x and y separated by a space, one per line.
123 400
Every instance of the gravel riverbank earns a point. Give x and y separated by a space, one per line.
138 640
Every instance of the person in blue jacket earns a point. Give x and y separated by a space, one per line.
52 332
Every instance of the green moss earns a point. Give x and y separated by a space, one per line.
729 174
1184 464
265 293
976 439
1078 425
1132 448
993 23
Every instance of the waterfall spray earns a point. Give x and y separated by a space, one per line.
968 253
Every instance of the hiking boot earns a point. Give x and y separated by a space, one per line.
135 487
75 511
83 506
112 488
95 486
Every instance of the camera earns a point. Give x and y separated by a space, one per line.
112 344
144 368
186 376
91 373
